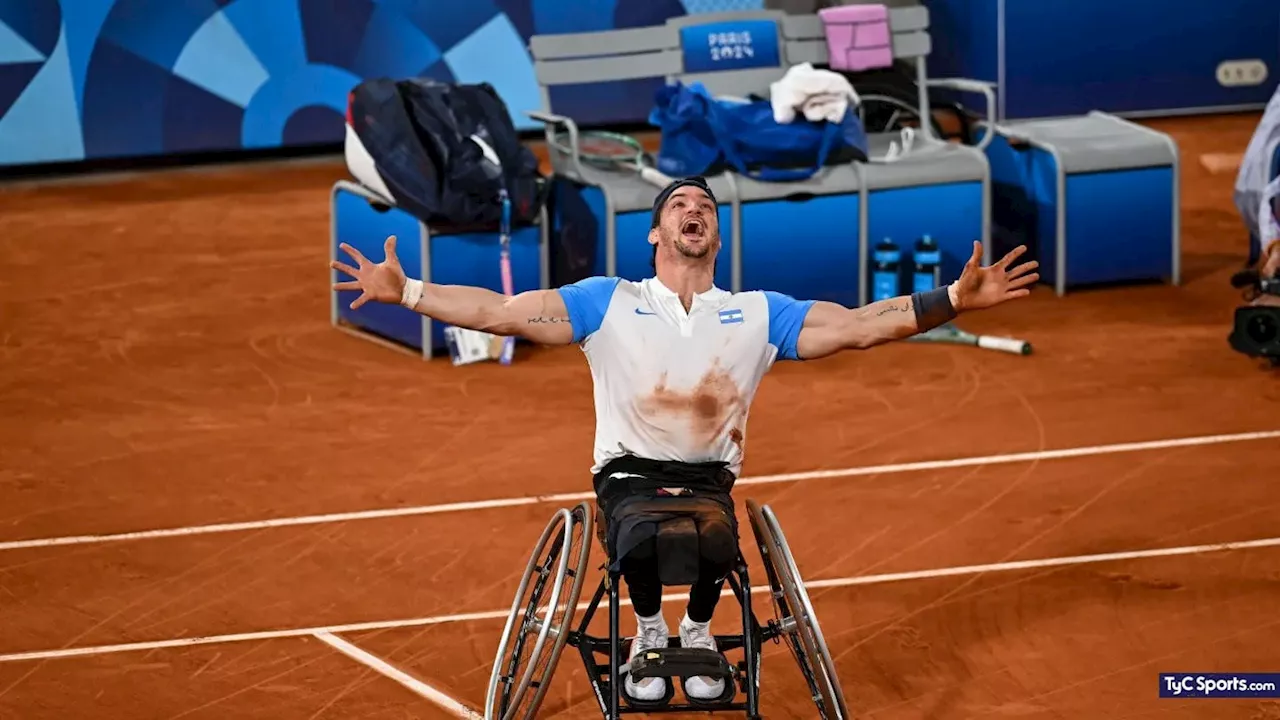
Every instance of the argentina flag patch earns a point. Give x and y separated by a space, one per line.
729 317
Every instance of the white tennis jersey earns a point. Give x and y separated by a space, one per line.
671 385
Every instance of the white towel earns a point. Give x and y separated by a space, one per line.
818 94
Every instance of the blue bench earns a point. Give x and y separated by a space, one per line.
940 190
1096 197
810 238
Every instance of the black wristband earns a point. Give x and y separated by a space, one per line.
933 308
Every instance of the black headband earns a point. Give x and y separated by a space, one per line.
695 181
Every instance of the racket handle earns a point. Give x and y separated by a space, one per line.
504 230
509 342
508 287
654 177
1009 345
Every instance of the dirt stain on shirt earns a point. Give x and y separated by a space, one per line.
735 437
710 406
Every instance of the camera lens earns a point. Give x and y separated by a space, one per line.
1262 329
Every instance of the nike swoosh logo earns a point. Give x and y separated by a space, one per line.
641 312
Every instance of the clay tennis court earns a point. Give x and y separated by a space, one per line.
167 365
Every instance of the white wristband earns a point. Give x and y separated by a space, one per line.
411 294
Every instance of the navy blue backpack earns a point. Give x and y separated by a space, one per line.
442 152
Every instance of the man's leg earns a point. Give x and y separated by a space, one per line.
644 587
695 628
705 594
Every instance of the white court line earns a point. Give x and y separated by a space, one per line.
453 707
577 497
502 614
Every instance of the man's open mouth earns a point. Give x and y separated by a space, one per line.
692 228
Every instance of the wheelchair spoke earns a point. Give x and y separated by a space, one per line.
531 625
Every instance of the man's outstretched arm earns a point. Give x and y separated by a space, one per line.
537 315
829 328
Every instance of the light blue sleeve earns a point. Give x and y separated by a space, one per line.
587 301
786 318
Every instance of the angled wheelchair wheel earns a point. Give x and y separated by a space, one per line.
540 619
797 623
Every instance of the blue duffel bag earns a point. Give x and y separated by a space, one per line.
704 135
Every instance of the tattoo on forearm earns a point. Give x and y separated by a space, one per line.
906 307
547 320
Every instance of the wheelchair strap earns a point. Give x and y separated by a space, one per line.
630 474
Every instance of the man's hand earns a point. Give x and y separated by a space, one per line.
537 315
980 287
383 282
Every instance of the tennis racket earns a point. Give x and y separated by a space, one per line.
508 287
951 335
611 151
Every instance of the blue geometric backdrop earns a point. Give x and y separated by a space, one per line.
82 79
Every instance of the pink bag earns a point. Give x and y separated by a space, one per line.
858 36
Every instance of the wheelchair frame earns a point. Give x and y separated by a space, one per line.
559 563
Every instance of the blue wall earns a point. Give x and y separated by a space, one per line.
1067 57
89 79
94 79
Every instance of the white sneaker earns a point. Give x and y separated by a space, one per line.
698 635
648 637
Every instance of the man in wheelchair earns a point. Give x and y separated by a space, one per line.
664 524
675 363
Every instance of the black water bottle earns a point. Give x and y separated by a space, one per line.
927 259
884 274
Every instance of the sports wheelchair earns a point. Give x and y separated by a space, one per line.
539 627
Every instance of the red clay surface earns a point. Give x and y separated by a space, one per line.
166 360
268 680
